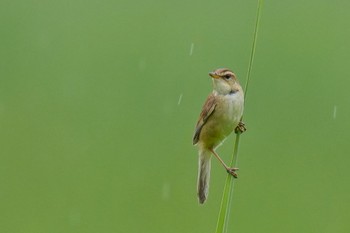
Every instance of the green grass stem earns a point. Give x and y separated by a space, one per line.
224 213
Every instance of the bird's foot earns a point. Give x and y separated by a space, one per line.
232 171
240 128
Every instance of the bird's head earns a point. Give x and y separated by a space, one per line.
225 81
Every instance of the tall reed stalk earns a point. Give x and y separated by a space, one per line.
224 213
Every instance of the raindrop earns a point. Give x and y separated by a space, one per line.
180 98
335 112
191 49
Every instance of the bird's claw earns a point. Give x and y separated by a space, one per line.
240 128
232 171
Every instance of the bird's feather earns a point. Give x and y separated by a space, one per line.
208 110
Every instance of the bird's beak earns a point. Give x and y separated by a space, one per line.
213 75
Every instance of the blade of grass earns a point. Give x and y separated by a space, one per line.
224 212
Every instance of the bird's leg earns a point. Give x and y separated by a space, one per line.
240 128
232 171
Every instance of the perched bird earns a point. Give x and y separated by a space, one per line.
221 114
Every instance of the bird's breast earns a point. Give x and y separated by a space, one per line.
227 114
230 108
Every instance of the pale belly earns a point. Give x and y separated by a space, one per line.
224 120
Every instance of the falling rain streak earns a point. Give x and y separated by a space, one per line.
191 49
335 111
179 101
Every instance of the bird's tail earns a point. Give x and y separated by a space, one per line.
203 175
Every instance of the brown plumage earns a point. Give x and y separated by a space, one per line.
220 115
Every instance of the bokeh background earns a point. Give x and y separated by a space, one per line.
98 102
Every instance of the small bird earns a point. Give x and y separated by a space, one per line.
221 114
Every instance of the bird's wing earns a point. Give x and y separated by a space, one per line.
207 111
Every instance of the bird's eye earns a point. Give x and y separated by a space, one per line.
227 76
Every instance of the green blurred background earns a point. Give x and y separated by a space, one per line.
98 102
